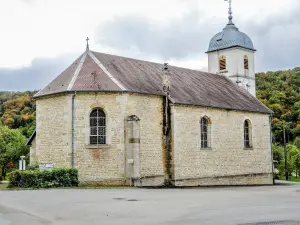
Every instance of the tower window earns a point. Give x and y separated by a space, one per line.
222 62
246 62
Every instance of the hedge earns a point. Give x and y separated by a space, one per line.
44 179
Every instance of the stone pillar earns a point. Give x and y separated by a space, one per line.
132 136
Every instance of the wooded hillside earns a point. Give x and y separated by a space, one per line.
280 91
17 111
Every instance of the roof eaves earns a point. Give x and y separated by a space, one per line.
29 141
89 91
234 46
223 108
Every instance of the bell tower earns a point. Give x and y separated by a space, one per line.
231 53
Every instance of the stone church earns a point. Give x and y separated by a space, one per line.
120 120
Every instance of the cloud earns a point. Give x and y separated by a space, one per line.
276 37
34 77
277 40
179 39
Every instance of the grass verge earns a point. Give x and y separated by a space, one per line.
3 186
294 179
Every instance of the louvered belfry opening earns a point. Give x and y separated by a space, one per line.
98 127
222 63
246 62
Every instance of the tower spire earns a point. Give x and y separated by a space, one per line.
229 12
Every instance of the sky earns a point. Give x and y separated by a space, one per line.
40 38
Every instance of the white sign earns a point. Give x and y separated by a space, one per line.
46 166
130 161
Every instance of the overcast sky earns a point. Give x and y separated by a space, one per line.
40 38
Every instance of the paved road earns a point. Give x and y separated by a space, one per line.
201 206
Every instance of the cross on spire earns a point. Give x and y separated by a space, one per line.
229 12
87 43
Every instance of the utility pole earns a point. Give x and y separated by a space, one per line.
285 155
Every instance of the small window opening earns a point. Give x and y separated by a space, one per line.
222 63
246 62
247 134
205 133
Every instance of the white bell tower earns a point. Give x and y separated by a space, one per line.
231 53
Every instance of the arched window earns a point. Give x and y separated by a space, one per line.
247 134
97 127
222 62
205 132
246 62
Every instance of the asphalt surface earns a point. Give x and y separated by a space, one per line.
235 205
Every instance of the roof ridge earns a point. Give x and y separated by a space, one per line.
75 75
102 67
160 63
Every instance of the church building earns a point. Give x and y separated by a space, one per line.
126 121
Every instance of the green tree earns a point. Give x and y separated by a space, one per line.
12 146
280 91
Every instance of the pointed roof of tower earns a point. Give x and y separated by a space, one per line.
230 37
94 71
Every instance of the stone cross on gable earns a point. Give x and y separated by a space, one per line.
87 43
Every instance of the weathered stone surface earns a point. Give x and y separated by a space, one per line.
104 162
32 155
226 163
53 138
227 157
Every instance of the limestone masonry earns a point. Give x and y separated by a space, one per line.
225 163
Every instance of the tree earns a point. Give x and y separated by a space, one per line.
297 164
281 93
297 142
12 146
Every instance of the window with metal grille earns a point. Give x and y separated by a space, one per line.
247 134
205 133
246 62
97 127
222 62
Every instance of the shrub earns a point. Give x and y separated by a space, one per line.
32 167
44 179
276 173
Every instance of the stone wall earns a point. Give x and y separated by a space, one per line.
32 153
53 130
227 162
101 163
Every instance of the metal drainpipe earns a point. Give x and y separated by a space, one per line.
272 162
73 98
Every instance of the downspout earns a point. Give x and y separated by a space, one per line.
271 143
167 125
73 100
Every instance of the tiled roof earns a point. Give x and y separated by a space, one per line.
230 37
104 72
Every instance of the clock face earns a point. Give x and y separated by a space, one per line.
245 83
